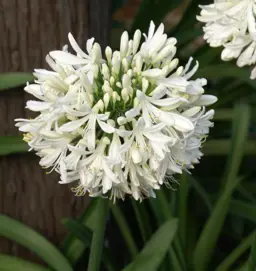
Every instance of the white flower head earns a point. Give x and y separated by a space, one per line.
118 126
231 24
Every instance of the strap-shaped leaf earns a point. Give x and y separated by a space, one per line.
211 230
243 209
72 247
252 258
84 234
14 79
32 240
12 144
152 255
10 263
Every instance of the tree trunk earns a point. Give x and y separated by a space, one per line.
29 30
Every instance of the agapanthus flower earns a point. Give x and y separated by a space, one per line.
231 24
120 125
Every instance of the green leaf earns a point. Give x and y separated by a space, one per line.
210 233
72 247
152 10
84 234
201 192
12 144
125 230
141 223
163 212
183 208
14 79
98 235
252 258
152 255
10 263
243 209
79 230
240 126
30 239
236 253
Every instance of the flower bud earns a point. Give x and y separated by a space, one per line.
111 122
105 140
179 71
105 71
145 84
130 73
121 120
173 65
130 47
108 53
106 99
125 94
136 102
118 84
115 96
95 70
139 63
100 105
125 64
164 53
115 65
96 53
126 80
112 81
136 41
124 44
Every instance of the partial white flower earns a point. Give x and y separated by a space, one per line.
118 126
231 24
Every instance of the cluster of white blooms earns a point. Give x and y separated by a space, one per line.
118 126
231 23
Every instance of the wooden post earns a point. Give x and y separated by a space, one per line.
29 30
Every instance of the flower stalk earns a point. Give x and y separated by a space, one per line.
98 235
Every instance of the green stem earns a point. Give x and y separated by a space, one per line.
139 218
98 235
125 230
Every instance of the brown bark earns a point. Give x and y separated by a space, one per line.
29 30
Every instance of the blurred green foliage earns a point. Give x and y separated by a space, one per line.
208 222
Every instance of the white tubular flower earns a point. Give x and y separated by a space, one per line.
118 126
231 24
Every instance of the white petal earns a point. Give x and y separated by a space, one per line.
136 157
67 58
35 90
73 125
130 114
155 128
168 101
181 123
106 127
89 44
206 100
109 172
76 47
37 106
191 111
153 73
123 133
